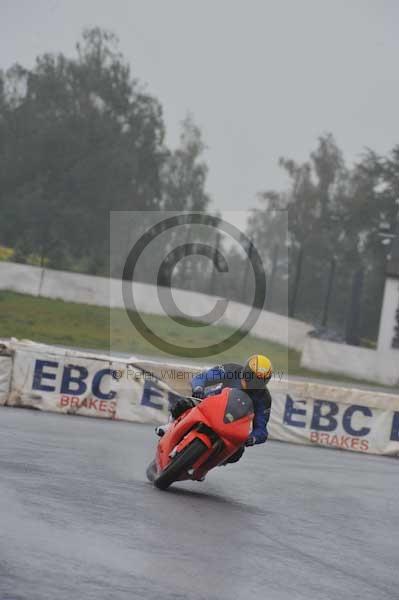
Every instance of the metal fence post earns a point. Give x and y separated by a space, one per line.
272 276
326 307
353 320
294 298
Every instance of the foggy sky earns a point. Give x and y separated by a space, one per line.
261 78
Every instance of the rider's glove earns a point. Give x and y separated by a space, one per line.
260 438
199 392
180 407
251 441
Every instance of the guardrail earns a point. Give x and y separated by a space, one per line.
79 383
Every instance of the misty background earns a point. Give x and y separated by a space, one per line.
262 79
271 106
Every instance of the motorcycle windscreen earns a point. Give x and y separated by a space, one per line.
239 405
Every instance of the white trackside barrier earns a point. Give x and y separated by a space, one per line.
381 366
336 417
66 381
318 414
100 291
5 372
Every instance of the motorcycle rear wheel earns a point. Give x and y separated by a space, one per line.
180 463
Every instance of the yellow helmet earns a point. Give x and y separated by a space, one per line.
257 372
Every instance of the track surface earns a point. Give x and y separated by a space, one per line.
79 521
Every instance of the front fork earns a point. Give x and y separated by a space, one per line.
210 439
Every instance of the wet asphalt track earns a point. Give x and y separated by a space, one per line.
78 520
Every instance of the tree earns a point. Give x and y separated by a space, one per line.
329 169
79 137
374 193
395 343
303 217
335 216
185 172
184 189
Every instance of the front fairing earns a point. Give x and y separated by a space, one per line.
214 411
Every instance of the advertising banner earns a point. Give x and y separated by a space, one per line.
358 421
81 384
71 382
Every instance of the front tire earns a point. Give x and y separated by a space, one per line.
182 462
151 471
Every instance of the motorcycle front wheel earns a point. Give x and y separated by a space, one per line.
180 463
151 471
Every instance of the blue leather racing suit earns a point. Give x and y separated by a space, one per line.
229 375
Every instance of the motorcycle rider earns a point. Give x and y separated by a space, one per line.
252 377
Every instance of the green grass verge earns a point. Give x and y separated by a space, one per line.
80 325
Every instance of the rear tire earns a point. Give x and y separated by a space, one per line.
182 462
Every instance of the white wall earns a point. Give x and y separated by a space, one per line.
20 278
388 314
362 363
100 291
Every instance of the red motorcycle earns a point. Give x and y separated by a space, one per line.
202 438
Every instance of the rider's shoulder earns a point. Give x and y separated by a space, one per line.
261 397
230 368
